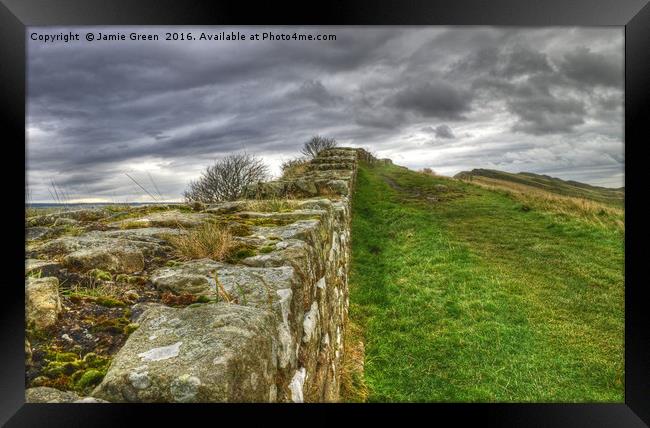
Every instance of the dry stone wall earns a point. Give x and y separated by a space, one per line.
282 341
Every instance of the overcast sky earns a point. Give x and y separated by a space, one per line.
544 100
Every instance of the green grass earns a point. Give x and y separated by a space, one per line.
469 297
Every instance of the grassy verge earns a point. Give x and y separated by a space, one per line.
594 212
462 295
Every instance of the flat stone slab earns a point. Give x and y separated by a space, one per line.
154 235
202 354
289 252
226 207
44 394
297 214
122 259
102 251
69 244
42 267
172 218
84 215
247 284
301 229
38 232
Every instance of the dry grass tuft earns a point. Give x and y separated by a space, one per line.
222 293
353 386
209 240
294 168
133 224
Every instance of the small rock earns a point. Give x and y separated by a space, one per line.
42 302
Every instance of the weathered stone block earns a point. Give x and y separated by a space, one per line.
207 353
42 302
119 259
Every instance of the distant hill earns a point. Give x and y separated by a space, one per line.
547 183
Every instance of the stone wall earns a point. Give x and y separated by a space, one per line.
278 336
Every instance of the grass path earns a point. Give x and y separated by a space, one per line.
462 295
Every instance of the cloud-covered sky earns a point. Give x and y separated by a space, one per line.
544 100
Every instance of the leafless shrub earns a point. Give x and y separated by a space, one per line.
227 179
316 145
428 171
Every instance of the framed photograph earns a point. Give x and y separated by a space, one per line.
394 210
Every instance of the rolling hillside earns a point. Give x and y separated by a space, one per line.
544 182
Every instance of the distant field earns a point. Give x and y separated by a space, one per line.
595 205
463 292
550 184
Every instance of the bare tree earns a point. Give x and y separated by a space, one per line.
428 171
226 179
316 145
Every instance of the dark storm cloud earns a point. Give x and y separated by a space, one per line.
441 131
541 92
503 62
315 91
547 115
522 61
444 131
586 67
167 109
433 99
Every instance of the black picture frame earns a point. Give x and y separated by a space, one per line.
15 15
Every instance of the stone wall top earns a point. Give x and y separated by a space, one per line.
266 325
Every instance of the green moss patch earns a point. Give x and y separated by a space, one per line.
68 371
266 249
100 275
241 253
